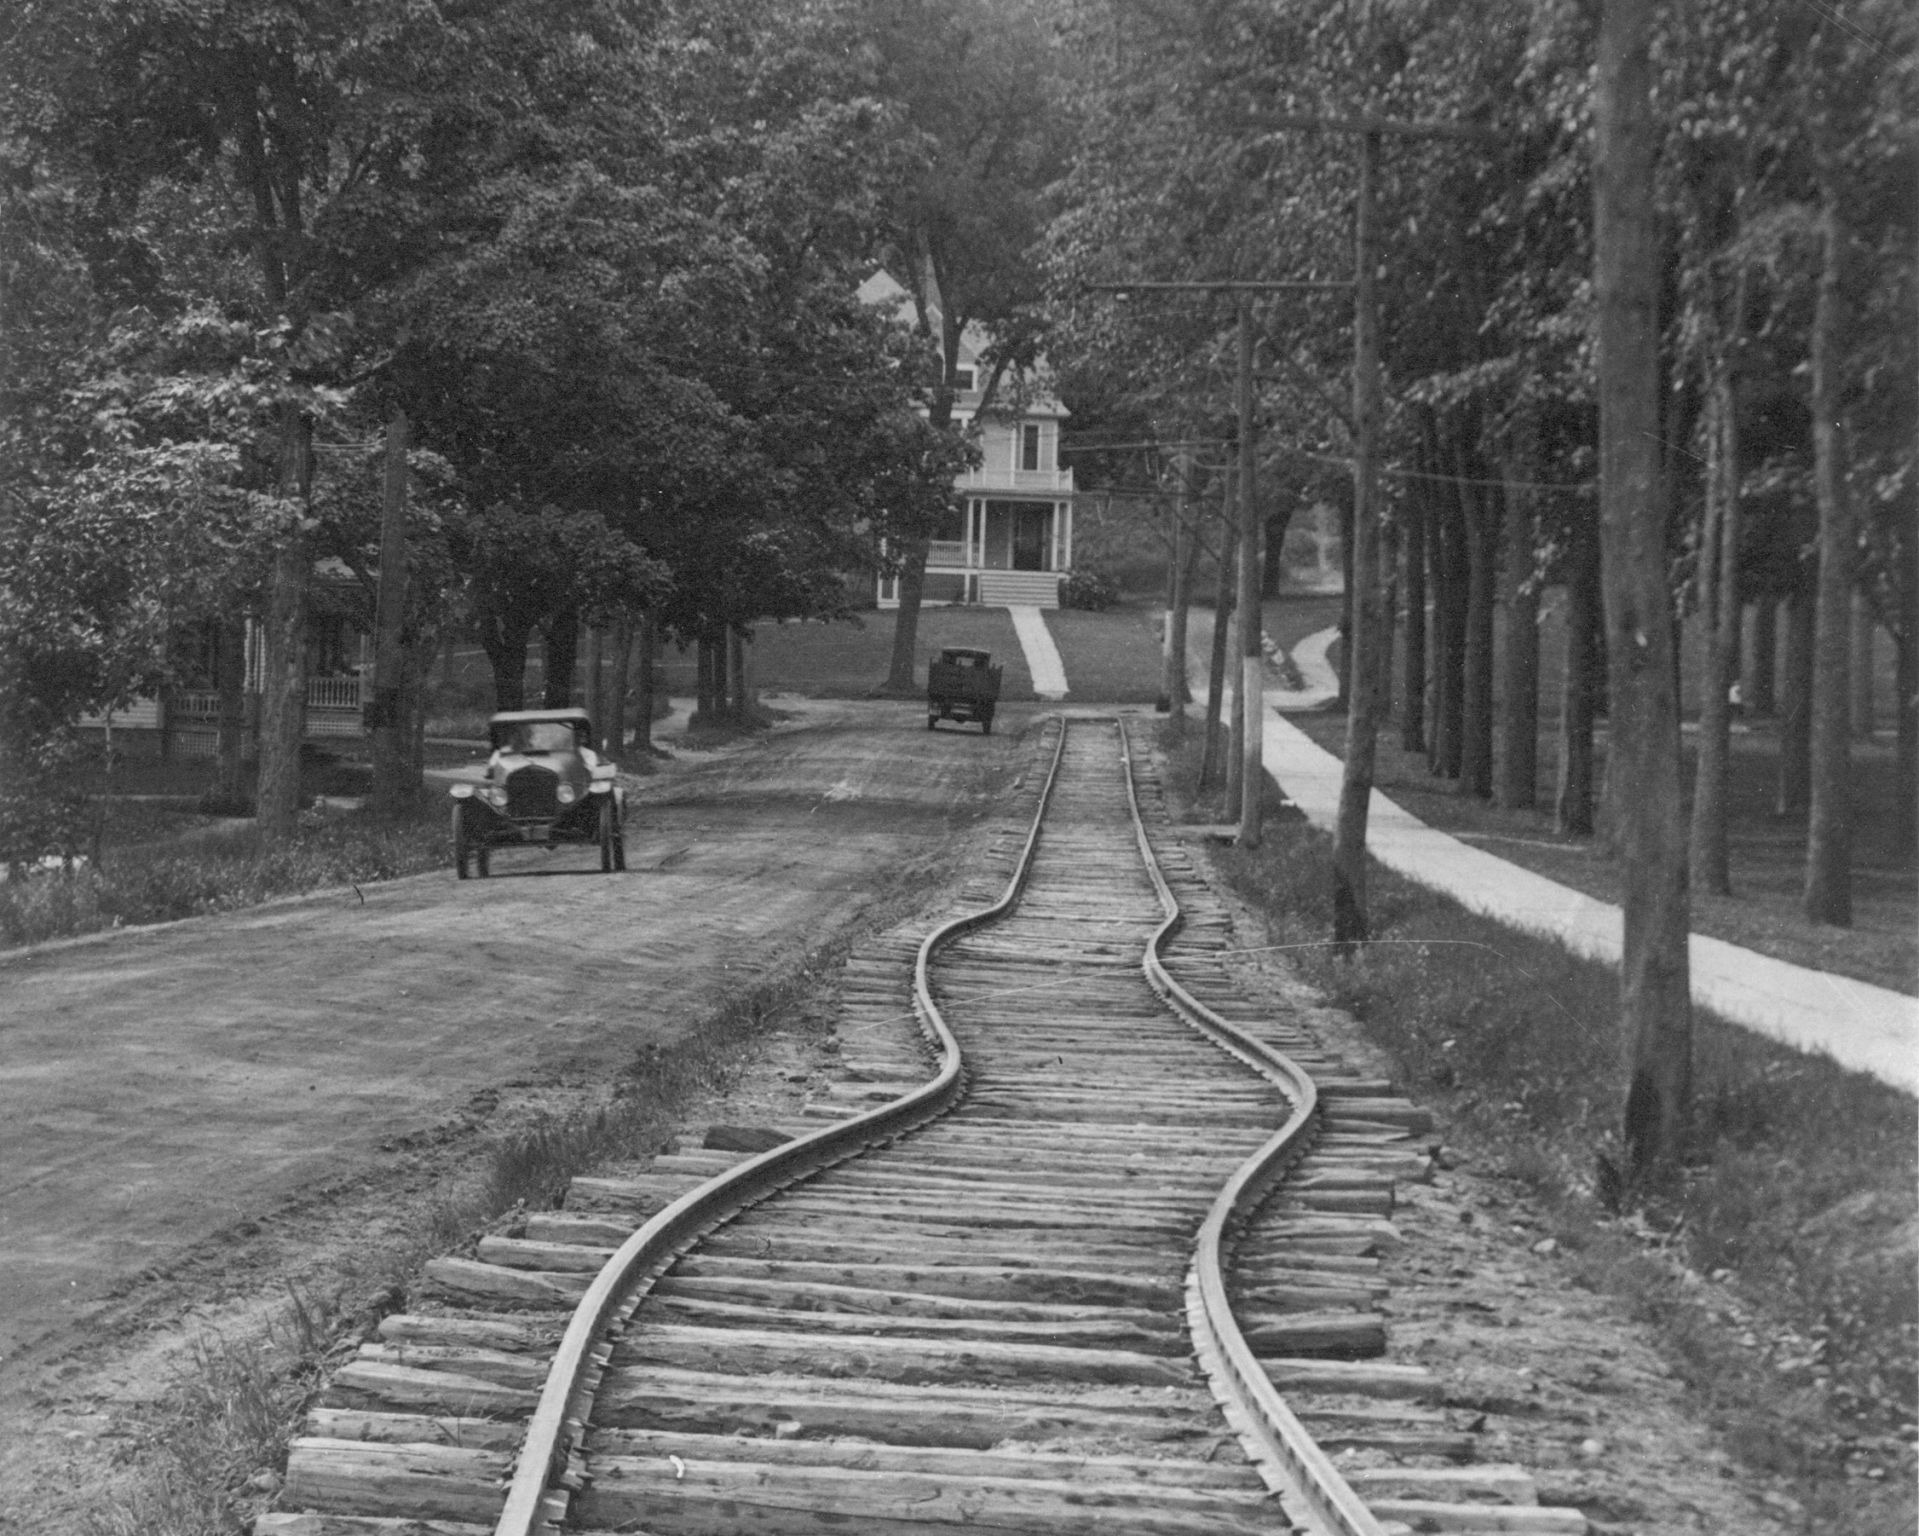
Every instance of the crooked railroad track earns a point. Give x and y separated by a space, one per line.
1078 1243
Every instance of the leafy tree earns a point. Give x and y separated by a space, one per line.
975 83
323 145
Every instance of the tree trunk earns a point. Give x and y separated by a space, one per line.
1579 690
506 641
230 674
906 624
1186 570
1250 695
413 707
1272 555
1860 712
1345 604
1795 713
1655 988
1519 703
1906 688
1762 672
561 655
1718 587
1173 649
593 692
1211 752
1451 584
283 684
643 702
1391 536
704 705
1482 553
1352 919
1412 719
385 711
1828 895
739 685
614 729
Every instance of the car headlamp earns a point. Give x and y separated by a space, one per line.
568 794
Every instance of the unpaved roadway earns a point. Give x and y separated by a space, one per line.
173 1098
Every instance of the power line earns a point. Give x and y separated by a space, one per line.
1397 473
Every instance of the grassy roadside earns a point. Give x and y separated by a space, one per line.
230 867
1779 1273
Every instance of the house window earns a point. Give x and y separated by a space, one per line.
963 380
1029 446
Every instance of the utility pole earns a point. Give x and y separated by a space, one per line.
392 785
1363 665
1351 921
1252 670
1244 760
1172 691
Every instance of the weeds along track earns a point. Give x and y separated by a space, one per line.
1088 1248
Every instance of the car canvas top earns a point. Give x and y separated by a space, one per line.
572 714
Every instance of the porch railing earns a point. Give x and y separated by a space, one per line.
1057 481
333 692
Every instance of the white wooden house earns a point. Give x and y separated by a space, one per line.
184 721
1009 538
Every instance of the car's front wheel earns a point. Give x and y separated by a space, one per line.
612 847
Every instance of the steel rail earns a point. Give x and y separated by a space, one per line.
559 1418
1309 1486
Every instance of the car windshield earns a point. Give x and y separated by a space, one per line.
541 736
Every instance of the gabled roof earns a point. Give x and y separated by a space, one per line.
885 291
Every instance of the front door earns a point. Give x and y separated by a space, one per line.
1030 530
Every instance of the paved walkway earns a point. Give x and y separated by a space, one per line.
1042 656
1861 1026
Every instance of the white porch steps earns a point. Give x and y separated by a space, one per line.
1019 589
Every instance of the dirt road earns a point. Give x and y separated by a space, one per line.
175 1090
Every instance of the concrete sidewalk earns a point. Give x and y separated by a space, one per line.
1862 1027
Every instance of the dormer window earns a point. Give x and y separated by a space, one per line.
963 380
1029 446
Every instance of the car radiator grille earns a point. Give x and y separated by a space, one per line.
532 792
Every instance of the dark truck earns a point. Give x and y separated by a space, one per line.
962 685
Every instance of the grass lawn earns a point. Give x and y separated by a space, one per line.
1111 657
848 658
1290 618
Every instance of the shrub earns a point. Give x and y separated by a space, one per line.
159 883
1090 589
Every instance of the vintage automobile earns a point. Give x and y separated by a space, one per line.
962 685
544 785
